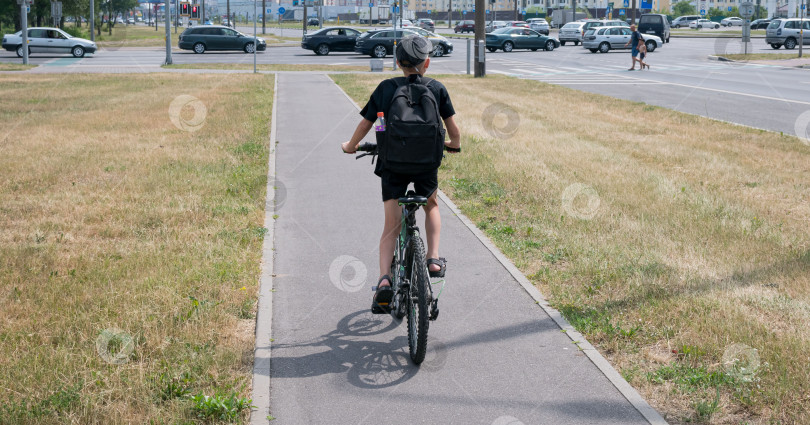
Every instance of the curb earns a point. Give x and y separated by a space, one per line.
724 59
264 314
629 393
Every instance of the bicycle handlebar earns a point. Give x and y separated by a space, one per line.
371 149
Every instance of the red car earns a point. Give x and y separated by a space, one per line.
465 26
522 24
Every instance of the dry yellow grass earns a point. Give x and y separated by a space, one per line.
129 247
761 56
669 239
270 67
15 67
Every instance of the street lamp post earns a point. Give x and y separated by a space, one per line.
168 23
24 24
801 26
92 20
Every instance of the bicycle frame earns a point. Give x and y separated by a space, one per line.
408 230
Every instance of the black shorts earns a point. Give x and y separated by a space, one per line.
395 185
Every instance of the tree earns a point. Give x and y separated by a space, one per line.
683 8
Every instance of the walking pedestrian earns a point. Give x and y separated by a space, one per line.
642 53
634 39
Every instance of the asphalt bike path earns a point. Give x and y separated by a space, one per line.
494 355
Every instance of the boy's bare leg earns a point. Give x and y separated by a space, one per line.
433 227
388 238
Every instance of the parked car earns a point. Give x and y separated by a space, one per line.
313 22
732 21
208 22
593 23
785 32
464 26
48 40
540 25
131 21
508 39
426 24
405 23
334 39
760 24
218 37
605 39
441 45
703 23
571 32
654 23
684 21
493 25
521 24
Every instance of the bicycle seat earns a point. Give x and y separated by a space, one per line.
411 199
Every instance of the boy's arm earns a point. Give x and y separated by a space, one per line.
453 132
359 133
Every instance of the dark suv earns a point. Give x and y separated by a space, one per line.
465 26
653 23
215 37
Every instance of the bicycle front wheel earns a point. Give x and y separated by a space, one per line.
418 302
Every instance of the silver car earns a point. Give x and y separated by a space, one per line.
605 39
785 32
48 40
571 31
539 24
492 26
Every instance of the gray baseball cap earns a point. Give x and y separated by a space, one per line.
412 50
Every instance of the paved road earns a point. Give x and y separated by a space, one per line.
682 78
493 354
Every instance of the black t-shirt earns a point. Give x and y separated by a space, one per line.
381 99
383 95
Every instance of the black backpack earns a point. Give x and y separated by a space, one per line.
414 133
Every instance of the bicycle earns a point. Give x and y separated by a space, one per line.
413 291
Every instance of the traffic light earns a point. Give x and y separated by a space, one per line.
184 9
195 12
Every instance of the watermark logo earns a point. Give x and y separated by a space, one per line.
741 362
585 209
114 346
802 127
348 273
280 194
179 113
507 420
724 46
500 120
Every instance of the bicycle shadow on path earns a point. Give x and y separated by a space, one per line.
369 363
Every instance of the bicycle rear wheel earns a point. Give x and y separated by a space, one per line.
418 303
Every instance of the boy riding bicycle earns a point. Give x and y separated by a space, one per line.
412 54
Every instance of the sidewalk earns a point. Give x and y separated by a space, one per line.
494 355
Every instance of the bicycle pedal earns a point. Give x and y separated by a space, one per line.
376 309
